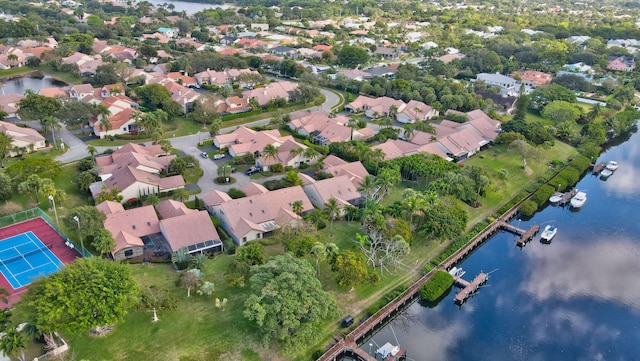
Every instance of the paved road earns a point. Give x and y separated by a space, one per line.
77 149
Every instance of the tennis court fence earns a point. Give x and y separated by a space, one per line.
33 213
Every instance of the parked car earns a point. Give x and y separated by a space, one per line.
204 155
219 156
252 170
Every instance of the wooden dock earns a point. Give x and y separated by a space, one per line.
597 168
528 235
471 288
349 343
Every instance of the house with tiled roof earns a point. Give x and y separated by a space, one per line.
271 91
323 129
140 234
22 138
135 171
261 215
415 110
80 91
337 167
339 188
621 63
374 107
9 103
532 78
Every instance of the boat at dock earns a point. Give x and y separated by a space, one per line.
606 173
578 200
556 197
612 165
548 234
457 272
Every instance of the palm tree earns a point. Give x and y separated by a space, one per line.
215 126
92 150
224 171
105 124
165 145
270 151
311 154
180 194
52 123
368 187
319 252
408 132
12 342
297 207
316 217
333 211
153 199
332 251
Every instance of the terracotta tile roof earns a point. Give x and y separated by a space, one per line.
251 213
339 187
9 102
108 207
215 198
20 134
332 161
355 171
169 208
252 189
188 229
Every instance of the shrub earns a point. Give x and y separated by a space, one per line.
236 193
276 168
528 208
304 166
436 286
581 163
572 175
541 196
559 181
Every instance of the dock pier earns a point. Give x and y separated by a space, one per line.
525 235
597 168
470 287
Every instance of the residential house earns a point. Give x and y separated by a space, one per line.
285 51
337 167
339 188
415 110
26 139
135 171
374 107
387 53
129 227
259 216
271 91
80 91
9 103
140 234
507 84
532 78
232 105
188 228
383 71
323 129
168 32
15 58
621 63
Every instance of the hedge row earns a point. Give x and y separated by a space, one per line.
460 242
436 286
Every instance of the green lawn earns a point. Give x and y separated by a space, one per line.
196 330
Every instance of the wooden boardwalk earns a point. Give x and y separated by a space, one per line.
597 168
471 288
349 343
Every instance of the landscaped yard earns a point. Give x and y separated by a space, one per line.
196 330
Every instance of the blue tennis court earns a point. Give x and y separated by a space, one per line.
24 257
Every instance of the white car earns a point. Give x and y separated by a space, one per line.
219 156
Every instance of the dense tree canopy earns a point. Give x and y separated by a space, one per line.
287 302
88 293
352 56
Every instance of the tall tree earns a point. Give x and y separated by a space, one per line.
37 107
103 241
332 207
181 194
88 293
5 147
12 343
191 279
287 302
319 252
52 123
270 151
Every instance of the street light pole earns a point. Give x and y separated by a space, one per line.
55 211
80 234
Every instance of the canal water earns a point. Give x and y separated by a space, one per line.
20 85
577 298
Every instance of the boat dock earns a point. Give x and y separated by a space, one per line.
470 287
597 168
525 235
566 197
348 344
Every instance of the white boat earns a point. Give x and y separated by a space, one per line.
612 165
578 200
606 173
556 197
457 272
548 233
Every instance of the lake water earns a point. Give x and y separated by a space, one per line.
20 85
577 298
188 7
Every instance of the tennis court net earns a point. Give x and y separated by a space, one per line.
22 255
